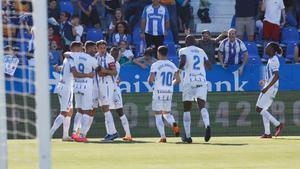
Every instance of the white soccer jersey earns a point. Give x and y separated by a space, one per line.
164 74
66 76
107 62
83 87
194 67
118 69
272 66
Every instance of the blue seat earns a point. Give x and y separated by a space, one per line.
94 35
169 38
66 6
289 35
254 57
290 52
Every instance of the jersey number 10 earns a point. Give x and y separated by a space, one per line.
167 78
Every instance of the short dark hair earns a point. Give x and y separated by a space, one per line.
114 49
89 44
75 16
205 31
101 42
76 44
148 51
276 47
163 50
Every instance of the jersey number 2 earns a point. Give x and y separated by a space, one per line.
196 62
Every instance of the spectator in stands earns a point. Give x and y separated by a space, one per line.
274 10
53 11
54 55
245 12
77 29
110 7
118 17
52 36
184 13
89 13
133 10
121 34
291 18
209 44
126 55
232 51
259 17
171 6
297 8
155 23
9 31
147 60
66 29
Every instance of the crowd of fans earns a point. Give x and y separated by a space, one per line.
116 21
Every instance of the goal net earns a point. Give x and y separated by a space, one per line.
24 97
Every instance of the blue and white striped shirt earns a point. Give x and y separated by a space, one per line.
232 51
155 19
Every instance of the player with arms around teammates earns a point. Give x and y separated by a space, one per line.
193 61
83 88
164 74
64 89
269 91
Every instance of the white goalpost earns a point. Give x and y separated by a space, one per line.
26 115
3 127
42 82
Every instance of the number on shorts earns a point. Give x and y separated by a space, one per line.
166 78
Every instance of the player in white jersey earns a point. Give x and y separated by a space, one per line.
64 89
164 74
193 61
105 76
270 88
83 88
117 101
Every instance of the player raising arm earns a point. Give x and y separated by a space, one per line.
193 61
270 88
164 74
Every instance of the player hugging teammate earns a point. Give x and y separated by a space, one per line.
93 76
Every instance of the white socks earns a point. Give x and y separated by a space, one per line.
109 123
205 117
77 122
169 118
125 125
160 125
86 123
266 125
66 126
269 117
187 123
58 121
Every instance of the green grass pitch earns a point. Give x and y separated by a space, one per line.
146 153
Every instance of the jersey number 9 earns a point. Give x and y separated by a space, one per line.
81 68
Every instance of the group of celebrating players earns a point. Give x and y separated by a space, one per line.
93 76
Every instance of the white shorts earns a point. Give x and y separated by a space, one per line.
84 95
106 91
191 92
65 96
265 100
117 101
95 96
162 102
